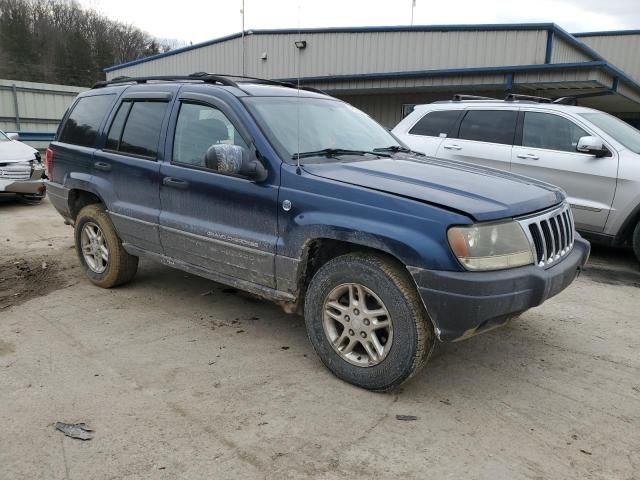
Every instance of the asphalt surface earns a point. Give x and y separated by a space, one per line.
182 378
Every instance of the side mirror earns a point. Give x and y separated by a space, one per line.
593 146
13 136
234 160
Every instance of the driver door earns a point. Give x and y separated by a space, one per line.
223 224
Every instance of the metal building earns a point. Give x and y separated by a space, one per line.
34 109
385 70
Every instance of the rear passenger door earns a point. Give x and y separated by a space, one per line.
126 168
546 150
226 225
484 137
430 130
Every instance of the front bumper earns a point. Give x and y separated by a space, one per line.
34 185
463 304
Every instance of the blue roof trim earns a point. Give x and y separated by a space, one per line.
451 71
606 33
398 28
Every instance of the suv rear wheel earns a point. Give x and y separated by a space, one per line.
100 250
366 322
636 240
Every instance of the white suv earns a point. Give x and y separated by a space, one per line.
593 156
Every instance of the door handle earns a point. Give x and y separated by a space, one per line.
104 166
453 147
175 183
528 156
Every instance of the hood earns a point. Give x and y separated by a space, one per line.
480 192
11 152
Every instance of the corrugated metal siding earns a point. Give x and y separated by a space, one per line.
41 106
353 53
564 52
387 108
621 50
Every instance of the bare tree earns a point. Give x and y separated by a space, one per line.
58 41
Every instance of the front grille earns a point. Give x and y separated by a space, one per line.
15 172
551 234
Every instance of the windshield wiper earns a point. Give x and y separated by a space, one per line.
333 152
396 149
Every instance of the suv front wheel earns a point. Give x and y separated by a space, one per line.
105 261
366 322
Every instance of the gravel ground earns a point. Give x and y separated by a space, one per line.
182 378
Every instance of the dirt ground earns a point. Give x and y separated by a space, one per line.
182 378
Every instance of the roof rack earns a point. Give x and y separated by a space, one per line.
203 77
265 81
459 97
512 97
213 78
566 101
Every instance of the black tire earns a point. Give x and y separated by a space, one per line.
635 241
412 339
121 266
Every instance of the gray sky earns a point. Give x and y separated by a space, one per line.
197 20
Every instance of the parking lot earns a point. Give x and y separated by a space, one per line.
184 378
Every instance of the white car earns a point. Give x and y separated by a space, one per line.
21 169
593 156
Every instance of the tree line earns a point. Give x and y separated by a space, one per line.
58 41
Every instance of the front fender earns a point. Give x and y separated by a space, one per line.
411 231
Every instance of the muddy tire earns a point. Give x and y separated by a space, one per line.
100 250
366 322
635 241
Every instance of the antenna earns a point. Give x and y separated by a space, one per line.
298 95
413 6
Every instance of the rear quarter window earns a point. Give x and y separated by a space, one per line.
81 127
435 123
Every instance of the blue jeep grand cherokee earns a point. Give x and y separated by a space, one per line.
303 199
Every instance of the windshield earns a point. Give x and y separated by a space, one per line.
324 124
616 128
3 137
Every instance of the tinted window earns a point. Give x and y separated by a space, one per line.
435 123
82 125
199 127
115 132
545 130
495 126
142 129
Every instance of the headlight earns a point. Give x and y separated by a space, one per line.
491 246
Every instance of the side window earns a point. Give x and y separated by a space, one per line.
81 127
136 128
552 132
435 123
494 126
198 127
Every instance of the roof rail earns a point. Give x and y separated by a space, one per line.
219 78
265 81
459 97
203 77
566 101
512 97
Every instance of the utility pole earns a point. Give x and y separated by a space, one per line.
413 5
242 13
